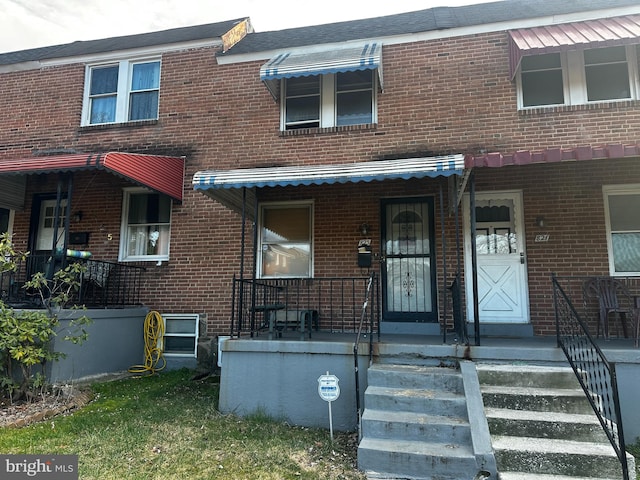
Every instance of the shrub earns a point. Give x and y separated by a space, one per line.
26 336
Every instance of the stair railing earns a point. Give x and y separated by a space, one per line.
597 376
356 345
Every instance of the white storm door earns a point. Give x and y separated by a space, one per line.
502 271
46 224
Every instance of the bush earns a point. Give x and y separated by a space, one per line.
26 336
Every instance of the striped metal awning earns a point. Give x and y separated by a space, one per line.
288 65
604 32
227 186
160 173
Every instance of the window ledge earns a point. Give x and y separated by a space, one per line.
579 108
320 131
109 126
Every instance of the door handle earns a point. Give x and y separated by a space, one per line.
522 258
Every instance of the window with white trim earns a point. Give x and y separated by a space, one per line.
180 334
119 92
622 204
286 243
6 220
346 98
578 77
146 225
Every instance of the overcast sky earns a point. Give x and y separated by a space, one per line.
35 23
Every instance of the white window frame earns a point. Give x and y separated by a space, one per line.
328 101
125 72
10 222
187 317
610 190
124 229
274 205
574 79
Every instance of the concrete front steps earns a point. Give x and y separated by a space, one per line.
543 427
415 424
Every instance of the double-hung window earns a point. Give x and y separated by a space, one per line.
579 77
120 92
286 246
146 225
330 100
622 204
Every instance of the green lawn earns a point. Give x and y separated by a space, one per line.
167 426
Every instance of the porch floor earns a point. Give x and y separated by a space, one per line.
531 348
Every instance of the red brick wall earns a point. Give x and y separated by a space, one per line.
441 96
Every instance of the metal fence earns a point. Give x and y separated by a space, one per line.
332 304
102 284
596 374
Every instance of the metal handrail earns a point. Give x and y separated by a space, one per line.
597 376
356 345
102 283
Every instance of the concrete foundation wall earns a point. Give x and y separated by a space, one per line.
280 379
115 343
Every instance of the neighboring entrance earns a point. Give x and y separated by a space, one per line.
501 260
408 267
46 222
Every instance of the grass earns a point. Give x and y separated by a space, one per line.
167 426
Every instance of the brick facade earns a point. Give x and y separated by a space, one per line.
440 97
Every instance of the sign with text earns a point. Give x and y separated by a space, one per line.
50 467
328 388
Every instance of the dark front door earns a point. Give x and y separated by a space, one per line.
409 282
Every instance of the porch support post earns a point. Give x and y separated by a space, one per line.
67 220
242 248
444 269
474 255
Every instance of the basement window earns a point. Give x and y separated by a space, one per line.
181 334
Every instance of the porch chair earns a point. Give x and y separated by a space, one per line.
613 298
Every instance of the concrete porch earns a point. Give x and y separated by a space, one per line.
279 377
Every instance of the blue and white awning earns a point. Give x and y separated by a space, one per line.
227 186
288 65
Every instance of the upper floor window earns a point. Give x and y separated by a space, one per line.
146 225
579 77
345 98
122 92
623 228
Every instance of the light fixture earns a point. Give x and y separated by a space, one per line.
541 222
365 229
77 216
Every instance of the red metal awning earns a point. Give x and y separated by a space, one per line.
553 155
604 32
160 173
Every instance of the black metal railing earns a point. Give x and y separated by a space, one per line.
330 304
102 284
596 374
363 315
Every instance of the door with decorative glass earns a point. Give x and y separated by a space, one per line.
408 283
501 262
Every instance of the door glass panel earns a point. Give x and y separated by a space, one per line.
495 228
408 285
408 260
47 225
